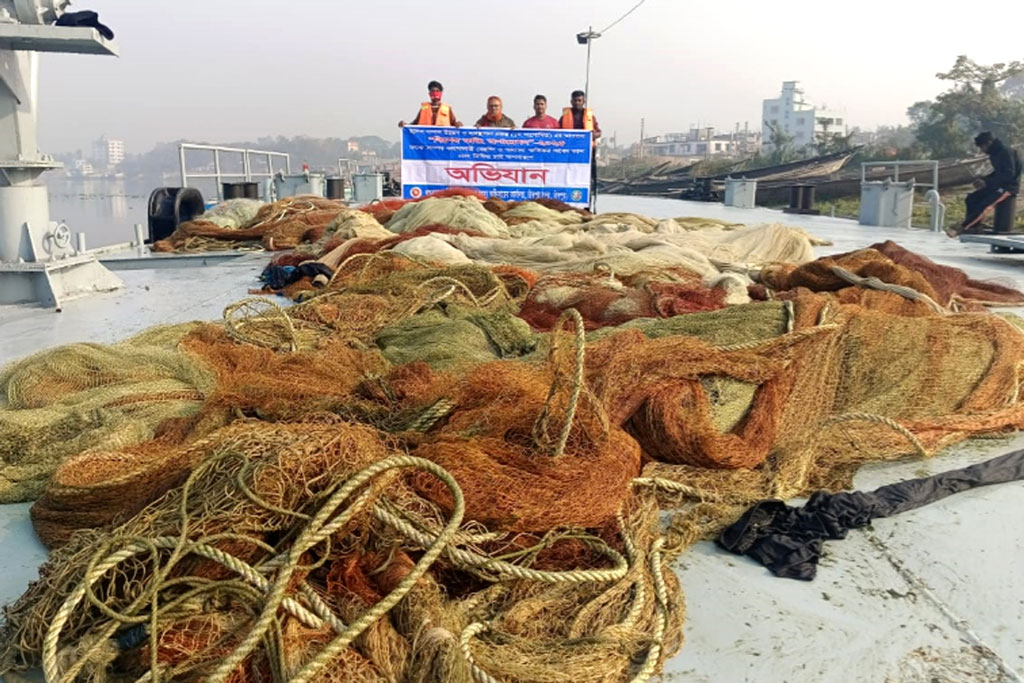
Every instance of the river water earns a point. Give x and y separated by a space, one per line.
105 210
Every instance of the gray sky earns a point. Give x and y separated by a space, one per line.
231 69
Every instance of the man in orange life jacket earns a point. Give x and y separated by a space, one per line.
435 112
581 117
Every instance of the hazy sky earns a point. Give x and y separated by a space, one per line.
225 70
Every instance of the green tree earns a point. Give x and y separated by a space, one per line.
833 143
974 102
1014 87
888 143
782 149
827 141
899 137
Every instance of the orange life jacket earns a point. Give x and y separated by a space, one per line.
444 115
588 118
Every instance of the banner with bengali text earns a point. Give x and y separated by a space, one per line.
515 165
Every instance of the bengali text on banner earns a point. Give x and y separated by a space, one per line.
514 165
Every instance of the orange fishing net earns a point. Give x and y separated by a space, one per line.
820 276
256 489
661 391
558 460
511 482
894 265
96 489
604 300
951 284
256 382
284 224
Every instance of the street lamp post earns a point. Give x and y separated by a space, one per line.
586 38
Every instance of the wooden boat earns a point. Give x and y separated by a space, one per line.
826 173
669 183
952 173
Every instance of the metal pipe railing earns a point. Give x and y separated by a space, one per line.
246 157
938 210
896 168
346 168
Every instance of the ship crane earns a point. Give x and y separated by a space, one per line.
38 261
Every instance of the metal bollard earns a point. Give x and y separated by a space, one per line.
937 219
80 237
140 238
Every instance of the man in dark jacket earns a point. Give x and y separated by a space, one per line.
495 117
1003 180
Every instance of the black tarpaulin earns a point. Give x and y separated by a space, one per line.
789 540
85 18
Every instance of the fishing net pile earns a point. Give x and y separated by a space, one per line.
76 398
889 267
247 223
547 237
605 300
429 470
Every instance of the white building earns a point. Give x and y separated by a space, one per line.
81 167
792 115
701 143
107 152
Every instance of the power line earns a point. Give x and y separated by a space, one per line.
633 9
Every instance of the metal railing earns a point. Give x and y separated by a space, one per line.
347 168
247 173
896 170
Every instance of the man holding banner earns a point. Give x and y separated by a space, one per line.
511 164
495 118
435 112
540 118
580 117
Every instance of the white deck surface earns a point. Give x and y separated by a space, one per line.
932 596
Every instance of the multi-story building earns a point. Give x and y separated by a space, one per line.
701 143
796 118
81 167
107 152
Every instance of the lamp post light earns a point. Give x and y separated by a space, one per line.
586 38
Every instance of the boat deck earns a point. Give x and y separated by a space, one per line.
1006 243
932 595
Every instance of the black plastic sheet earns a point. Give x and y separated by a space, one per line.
85 18
789 540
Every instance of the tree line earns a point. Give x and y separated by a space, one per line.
979 97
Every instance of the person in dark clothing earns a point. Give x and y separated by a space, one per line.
495 118
1004 178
